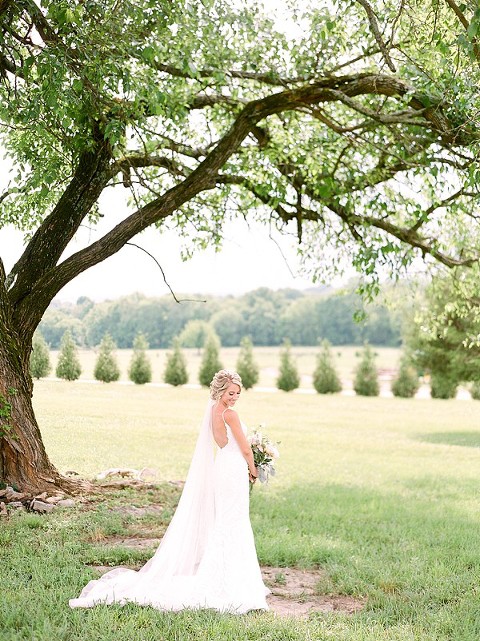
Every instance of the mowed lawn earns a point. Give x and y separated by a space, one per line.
381 494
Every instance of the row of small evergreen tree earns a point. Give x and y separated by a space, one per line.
140 370
106 366
325 377
366 383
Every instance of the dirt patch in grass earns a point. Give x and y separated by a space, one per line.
294 593
133 510
132 542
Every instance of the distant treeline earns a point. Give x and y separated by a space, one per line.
267 316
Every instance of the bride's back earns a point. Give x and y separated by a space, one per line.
219 428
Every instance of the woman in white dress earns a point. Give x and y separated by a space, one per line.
207 558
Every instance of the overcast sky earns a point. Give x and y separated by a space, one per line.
249 259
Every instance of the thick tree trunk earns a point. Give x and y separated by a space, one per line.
24 463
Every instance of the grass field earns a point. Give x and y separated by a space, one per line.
380 493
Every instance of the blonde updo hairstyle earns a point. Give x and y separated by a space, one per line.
221 381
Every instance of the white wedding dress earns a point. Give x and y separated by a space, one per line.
209 559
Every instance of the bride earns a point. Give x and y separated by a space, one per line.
207 558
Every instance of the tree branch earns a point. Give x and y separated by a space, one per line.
266 199
367 54
427 109
184 150
210 100
409 117
376 33
409 236
5 195
42 25
52 237
423 219
458 12
177 300
137 160
269 78
10 67
465 23
204 177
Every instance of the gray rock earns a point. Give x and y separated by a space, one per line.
66 503
40 506
17 505
11 495
54 499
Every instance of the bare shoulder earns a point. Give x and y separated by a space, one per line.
231 417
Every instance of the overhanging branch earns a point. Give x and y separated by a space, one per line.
372 19
270 78
409 236
138 160
465 23
204 177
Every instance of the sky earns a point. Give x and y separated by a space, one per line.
249 259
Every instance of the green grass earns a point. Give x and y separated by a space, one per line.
381 493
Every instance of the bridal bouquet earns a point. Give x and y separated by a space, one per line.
264 454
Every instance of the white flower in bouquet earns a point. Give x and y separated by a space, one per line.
265 453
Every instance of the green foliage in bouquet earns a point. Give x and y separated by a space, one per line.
265 452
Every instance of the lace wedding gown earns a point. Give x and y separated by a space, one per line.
227 575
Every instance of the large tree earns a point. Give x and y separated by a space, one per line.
358 128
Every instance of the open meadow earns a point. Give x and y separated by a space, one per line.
380 494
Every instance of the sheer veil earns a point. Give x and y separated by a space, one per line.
182 547
183 544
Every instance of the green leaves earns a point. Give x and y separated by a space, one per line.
362 162
149 53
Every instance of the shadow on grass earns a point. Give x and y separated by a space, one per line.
464 439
